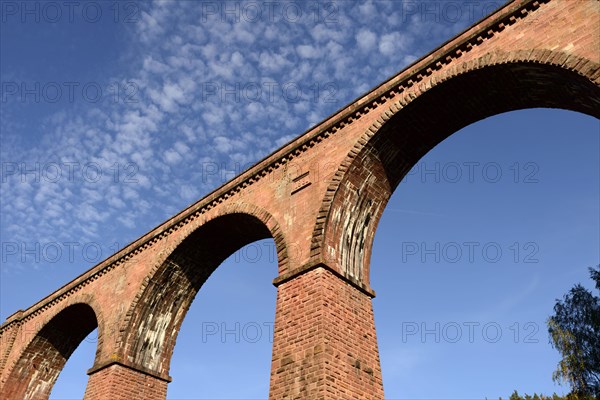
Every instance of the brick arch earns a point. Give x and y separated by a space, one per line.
157 313
35 371
424 115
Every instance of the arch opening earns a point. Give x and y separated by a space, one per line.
72 380
38 368
170 292
226 339
449 301
363 189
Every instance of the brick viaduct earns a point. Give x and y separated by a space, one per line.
320 198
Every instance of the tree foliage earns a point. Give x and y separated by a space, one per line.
517 396
575 332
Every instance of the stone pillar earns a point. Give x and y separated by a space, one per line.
325 346
116 381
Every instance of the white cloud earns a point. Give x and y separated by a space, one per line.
308 51
223 144
393 43
273 61
154 66
368 10
172 157
366 39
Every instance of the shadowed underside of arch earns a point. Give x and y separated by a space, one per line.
169 293
413 126
38 367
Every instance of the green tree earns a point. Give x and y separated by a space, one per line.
575 332
517 396
571 396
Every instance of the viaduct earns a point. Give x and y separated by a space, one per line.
320 198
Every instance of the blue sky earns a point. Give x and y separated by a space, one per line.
117 115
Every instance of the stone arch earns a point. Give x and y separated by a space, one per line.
423 117
159 308
38 366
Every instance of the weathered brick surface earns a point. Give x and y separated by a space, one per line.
47 353
320 197
325 344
